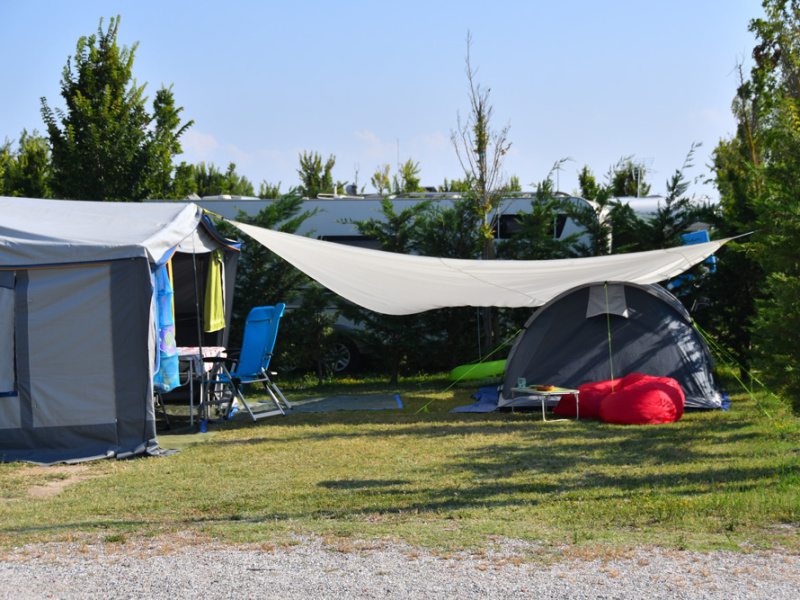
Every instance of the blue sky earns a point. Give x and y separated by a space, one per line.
368 81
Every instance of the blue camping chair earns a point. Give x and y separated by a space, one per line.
248 365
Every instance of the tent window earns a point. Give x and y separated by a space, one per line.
607 299
7 371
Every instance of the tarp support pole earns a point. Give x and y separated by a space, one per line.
608 322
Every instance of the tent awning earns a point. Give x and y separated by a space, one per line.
401 284
45 232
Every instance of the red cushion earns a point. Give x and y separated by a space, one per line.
566 406
644 399
590 395
634 378
666 384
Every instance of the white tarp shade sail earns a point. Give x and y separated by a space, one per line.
401 284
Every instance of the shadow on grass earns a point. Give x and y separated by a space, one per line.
537 462
531 462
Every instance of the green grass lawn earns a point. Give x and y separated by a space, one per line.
439 480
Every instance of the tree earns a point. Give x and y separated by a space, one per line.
210 181
534 238
106 145
310 330
738 281
456 185
614 227
5 158
396 337
262 278
184 181
775 86
754 294
380 180
674 216
396 231
513 184
777 319
481 150
268 191
447 229
589 188
408 180
626 178
26 172
315 177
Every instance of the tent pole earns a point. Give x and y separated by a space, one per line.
199 324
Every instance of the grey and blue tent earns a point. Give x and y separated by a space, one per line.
601 331
78 338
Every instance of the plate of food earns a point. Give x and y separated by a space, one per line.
545 388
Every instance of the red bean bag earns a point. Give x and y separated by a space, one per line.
644 399
666 384
590 395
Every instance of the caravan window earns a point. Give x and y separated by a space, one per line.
509 225
360 241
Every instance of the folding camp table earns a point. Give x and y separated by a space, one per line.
193 357
543 396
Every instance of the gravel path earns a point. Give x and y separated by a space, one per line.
175 569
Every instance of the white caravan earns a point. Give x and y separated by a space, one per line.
334 213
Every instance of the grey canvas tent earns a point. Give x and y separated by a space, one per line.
78 343
566 342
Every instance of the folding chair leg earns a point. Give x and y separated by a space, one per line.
238 395
234 384
159 402
275 400
258 415
270 385
271 413
278 391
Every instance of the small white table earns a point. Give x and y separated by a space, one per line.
543 396
197 368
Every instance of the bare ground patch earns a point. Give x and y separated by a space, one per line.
35 482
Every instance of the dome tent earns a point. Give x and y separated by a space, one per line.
566 342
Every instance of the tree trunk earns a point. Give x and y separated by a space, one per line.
489 312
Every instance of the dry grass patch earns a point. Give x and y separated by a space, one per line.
34 482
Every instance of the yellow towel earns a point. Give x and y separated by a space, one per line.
214 309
